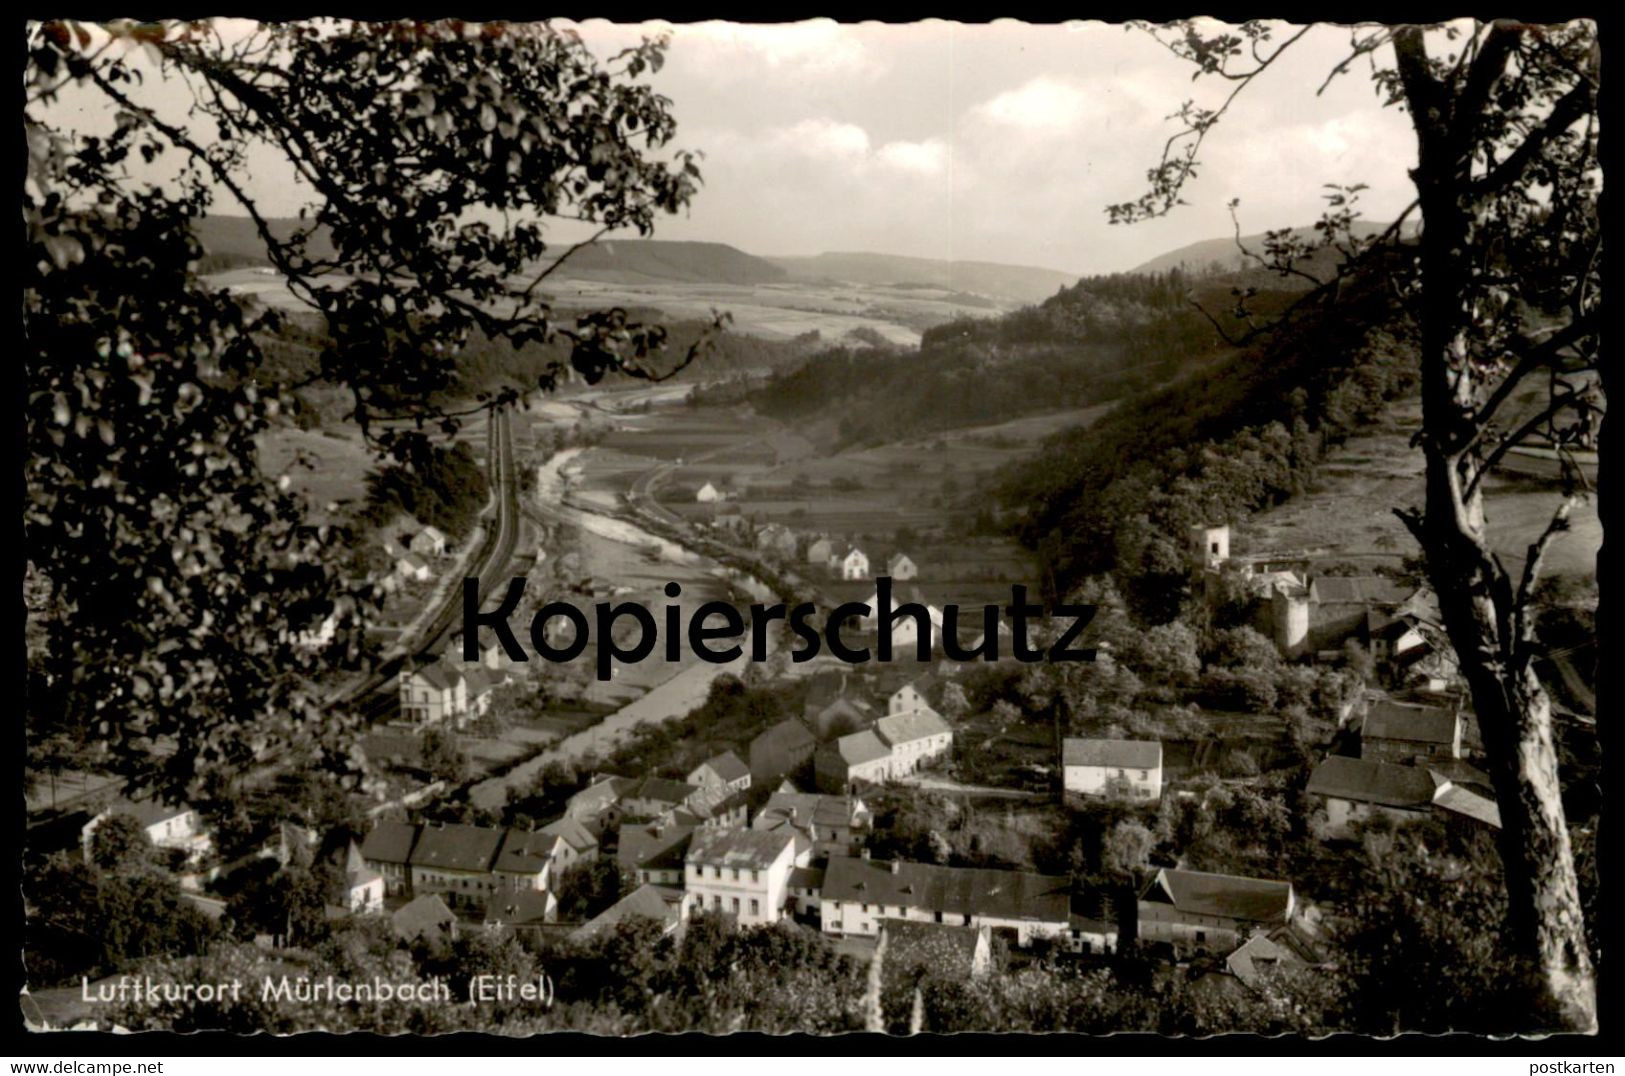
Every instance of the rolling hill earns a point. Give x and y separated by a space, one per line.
231 242
1203 255
1025 283
661 261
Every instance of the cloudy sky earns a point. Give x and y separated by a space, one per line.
999 142
994 142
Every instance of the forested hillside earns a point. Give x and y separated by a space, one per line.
1236 436
1099 340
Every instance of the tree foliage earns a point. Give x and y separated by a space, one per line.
433 156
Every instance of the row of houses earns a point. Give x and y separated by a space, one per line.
476 866
1410 767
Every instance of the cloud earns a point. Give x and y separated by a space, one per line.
1043 102
929 157
820 137
816 48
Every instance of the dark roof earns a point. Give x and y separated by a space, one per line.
456 847
803 809
728 766
1366 781
747 849
1254 899
573 833
1422 724
525 852
480 680
661 790
806 878
423 915
954 890
787 735
148 812
599 795
1125 754
519 908
1462 801
658 902
389 842
653 847
439 675
1358 589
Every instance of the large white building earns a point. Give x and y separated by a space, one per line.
743 873
917 739
860 894
1129 768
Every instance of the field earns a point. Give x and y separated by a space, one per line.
776 311
921 496
1349 512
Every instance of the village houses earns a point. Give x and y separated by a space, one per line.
176 828
860 894
742 873
1215 912
1127 769
850 564
708 494
727 770
428 542
1358 789
1400 732
901 568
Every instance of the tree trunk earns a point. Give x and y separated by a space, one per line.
1477 600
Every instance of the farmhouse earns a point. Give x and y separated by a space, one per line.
859 757
1211 911
743 873
654 852
860 894
174 828
708 494
526 861
576 842
388 850
654 796
428 542
1131 769
820 550
1357 789
727 770
851 564
836 825
454 860
433 694
901 568
1399 732
917 739
781 749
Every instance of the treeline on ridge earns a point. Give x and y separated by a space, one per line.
1237 436
1098 340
